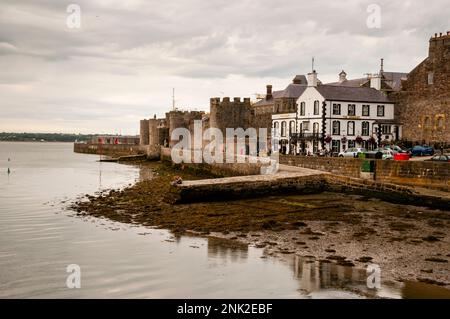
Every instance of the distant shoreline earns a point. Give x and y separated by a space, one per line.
14 141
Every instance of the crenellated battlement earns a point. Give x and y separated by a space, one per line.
226 113
440 36
226 100
439 45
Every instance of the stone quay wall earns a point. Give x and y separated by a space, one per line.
108 149
412 173
247 187
216 169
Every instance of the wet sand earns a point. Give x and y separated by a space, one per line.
409 243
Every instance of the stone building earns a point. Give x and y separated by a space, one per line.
181 119
424 101
158 131
281 102
115 140
239 114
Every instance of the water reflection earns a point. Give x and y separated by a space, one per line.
225 249
317 275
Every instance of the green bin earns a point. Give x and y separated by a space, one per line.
362 155
367 166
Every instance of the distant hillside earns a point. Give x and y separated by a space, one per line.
44 137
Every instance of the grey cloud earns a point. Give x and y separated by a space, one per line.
148 47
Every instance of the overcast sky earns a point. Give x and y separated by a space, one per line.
122 63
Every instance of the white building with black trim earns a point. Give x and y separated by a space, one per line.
335 118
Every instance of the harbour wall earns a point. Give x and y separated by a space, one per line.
434 175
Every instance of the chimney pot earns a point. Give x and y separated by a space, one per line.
268 92
342 76
435 35
440 34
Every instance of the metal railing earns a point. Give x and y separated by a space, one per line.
305 136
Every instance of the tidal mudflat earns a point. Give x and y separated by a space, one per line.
409 243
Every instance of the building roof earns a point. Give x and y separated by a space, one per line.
291 91
300 79
350 83
392 79
265 101
352 94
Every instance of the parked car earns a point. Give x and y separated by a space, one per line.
388 154
375 153
422 151
352 152
395 148
440 158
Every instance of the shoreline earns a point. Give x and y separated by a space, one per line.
410 243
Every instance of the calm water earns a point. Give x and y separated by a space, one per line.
39 238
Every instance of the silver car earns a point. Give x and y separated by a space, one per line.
352 152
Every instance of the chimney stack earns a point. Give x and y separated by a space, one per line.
375 82
312 78
268 92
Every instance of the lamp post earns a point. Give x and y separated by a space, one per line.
324 124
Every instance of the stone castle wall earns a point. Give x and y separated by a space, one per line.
424 102
181 119
229 114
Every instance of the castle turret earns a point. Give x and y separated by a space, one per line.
144 133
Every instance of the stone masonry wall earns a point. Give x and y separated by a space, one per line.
229 114
109 149
426 174
423 105
217 169
413 173
340 166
